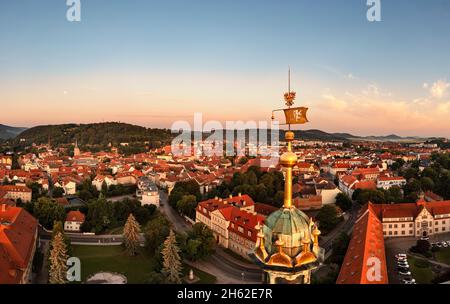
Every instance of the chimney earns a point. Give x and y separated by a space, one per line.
231 196
240 194
3 208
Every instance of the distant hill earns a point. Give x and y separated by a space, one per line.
7 132
318 135
101 134
94 134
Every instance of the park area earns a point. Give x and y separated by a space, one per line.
443 256
137 269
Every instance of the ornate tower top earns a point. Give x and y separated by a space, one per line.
287 245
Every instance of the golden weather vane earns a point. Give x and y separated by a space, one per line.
293 116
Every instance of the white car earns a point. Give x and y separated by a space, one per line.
409 281
439 245
405 273
401 256
444 245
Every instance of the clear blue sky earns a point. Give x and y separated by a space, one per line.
336 54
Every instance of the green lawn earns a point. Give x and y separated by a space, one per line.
113 259
443 256
422 275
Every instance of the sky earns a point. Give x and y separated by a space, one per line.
153 63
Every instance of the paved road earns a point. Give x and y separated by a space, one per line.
178 222
78 238
347 226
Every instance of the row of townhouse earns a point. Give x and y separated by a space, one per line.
418 219
16 193
232 222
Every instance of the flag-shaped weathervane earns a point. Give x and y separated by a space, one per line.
293 116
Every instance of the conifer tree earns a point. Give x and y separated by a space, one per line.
171 260
58 259
131 235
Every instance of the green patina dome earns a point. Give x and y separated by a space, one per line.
289 225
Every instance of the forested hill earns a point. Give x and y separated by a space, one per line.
95 134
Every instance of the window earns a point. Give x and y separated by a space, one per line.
390 226
410 232
395 226
403 225
390 232
395 232
410 225
403 232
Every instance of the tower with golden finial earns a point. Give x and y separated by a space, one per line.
287 246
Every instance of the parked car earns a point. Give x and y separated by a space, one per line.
409 280
401 255
405 273
444 245
439 245
404 265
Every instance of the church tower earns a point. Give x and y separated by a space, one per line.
76 150
287 246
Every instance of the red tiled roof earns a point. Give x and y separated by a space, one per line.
215 204
368 185
367 242
75 216
17 239
10 188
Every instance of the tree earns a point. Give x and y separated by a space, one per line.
186 205
199 243
171 260
156 232
422 247
104 188
328 218
427 184
131 235
100 215
59 228
48 212
58 259
58 192
340 246
343 201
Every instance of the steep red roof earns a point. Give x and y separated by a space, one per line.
12 188
75 216
17 240
367 243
